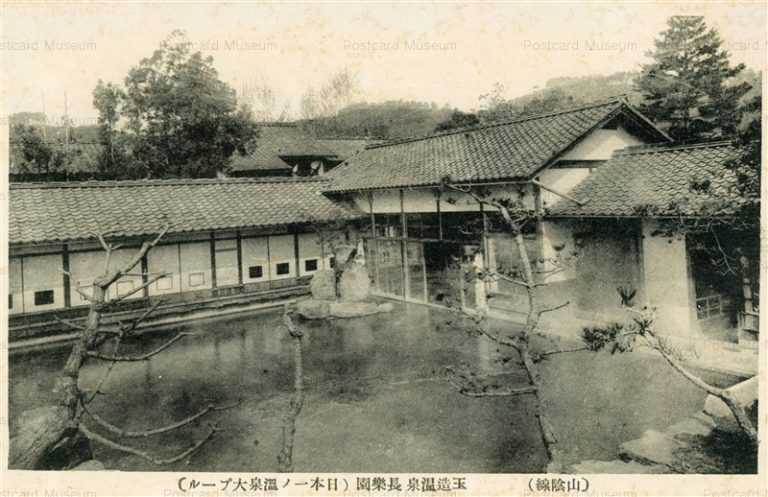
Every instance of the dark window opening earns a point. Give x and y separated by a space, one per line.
44 297
310 265
255 272
10 301
283 268
332 262
388 225
422 225
462 226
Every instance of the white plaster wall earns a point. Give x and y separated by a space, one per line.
226 262
563 180
164 259
281 250
255 254
599 146
665 269
601 143
87 266
309 249
15 290
558 234
195 266
43 272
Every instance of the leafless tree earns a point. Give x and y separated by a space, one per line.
339 91
530 278
285 458
74 417
265 103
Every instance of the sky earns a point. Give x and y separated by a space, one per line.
447 53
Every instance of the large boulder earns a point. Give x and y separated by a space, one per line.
323 285
313 309
354 285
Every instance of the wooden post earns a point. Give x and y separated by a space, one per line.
66 280
746 287
439 215
144 275
239 240
213 261
375 244
296 253
404 247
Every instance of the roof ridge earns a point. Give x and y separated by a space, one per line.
532 117
665 147
161 182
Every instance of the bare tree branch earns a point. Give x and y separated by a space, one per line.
69 323
144 455
157 431
110 278
143 357
138 288
538 357
552 309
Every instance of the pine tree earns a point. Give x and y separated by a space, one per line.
686 87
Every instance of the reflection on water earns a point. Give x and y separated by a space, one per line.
375 401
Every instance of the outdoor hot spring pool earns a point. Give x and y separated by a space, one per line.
376 398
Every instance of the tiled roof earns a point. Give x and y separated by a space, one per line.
275 142
344 148
652 181
48 212
500 151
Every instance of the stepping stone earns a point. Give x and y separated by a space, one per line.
652 448
697 425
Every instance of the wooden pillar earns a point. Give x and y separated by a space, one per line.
750 321
269 264
375 244
296 253
439 215
66 280
145 275
239 240
213 261
181 269
538 208
403 247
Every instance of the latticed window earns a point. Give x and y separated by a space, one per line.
709 307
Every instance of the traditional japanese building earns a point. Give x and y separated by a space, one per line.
285 149
583 173
235 240
600 181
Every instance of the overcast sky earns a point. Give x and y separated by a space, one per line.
443 53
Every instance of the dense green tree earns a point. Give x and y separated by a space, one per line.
107 99
181 120
36 156
688 84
